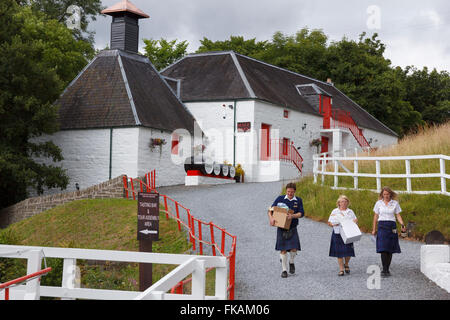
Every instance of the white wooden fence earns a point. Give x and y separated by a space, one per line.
320 168
187 265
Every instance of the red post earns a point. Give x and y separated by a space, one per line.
200 237
7 294
222 249
211 226
125 185
166 208
178 216
132 188
193 232
140 185
189 224
232 269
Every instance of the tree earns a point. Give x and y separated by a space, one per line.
429 93
60 10
38 57
163 53
238 44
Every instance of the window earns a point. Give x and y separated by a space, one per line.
175 142
286 113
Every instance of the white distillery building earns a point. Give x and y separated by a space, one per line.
260 116
119 115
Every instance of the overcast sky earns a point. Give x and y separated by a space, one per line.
415 32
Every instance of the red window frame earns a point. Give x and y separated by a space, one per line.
286 113
286 142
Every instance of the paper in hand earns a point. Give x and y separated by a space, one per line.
373 238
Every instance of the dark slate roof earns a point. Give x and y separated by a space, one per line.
119 89
228 75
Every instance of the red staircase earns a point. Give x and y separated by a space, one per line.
341 119
284 150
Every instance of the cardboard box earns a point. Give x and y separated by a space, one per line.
280 216
349 231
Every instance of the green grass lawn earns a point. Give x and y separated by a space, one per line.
429 212
107 224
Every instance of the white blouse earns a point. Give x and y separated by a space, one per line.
387 212
337 214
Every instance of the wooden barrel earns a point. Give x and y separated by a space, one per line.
206 167
232 172
217 168
225 169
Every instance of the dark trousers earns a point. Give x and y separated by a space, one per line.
386 258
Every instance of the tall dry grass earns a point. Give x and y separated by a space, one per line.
430 139
427 140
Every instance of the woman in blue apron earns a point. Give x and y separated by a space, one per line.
288 240
386 210
338 248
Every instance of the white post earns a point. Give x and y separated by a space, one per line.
70 277
377 165
221 283
408 173
199 280
34 264
324 161
315 168
336 169
355 171
443 181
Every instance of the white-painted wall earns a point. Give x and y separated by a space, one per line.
168 171
217 123
87 156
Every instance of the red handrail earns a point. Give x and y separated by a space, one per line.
8 284
150 185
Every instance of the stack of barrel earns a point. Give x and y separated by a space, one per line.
209 168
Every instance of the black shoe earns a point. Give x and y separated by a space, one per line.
341 273
385 274
291 268
347 269
284 274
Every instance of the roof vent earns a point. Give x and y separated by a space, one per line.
125 26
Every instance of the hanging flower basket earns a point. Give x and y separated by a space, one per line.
316 143
155 142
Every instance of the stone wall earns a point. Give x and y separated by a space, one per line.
31 206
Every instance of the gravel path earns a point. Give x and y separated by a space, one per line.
241 209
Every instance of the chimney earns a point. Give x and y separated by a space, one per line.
125 25
329 81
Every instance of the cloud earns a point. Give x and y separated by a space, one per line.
414 32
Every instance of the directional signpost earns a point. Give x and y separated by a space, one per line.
147 231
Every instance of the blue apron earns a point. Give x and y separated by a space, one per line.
387 240
294 241
339 249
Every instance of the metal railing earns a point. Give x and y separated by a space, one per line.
187 264
196 228
283 150
321 160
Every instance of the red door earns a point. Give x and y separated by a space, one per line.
265 141
324 145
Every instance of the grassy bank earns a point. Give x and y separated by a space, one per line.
429 140
429 212
108 224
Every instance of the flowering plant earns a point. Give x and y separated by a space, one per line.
154 142
316 142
